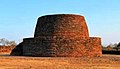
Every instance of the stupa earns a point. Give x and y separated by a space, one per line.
60 35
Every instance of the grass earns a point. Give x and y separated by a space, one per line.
18 62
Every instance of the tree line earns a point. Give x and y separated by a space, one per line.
5 42
112 47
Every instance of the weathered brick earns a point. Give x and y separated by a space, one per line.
61 35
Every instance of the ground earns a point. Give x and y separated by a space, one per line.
18 62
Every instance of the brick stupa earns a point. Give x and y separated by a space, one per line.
60 35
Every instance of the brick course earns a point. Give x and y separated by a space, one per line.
61 35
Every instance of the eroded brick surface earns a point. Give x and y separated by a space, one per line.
63 35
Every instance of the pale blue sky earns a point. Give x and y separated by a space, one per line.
18 17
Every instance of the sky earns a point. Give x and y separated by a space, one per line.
18 17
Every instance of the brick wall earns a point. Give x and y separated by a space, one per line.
63 35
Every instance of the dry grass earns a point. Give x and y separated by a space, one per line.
17 62
6 49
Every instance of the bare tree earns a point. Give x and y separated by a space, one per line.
118 44
6 42
3 41
11 43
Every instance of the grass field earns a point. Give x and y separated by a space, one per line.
17 62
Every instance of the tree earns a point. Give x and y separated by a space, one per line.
12 43
6 42
115 45
109 47
3 41
118 44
